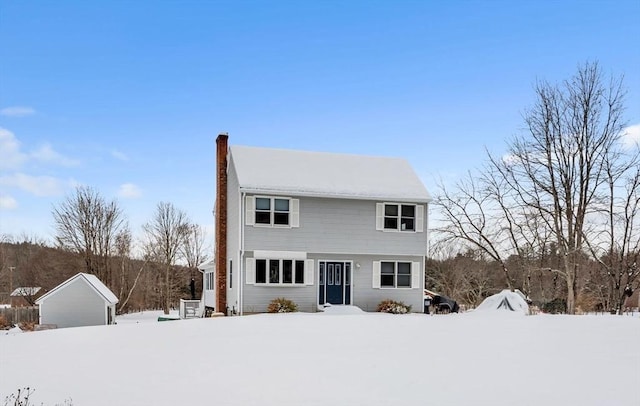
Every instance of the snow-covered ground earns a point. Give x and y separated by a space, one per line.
481 358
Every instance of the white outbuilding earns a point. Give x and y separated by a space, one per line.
82 300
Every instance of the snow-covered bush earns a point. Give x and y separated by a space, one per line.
391 306
282 305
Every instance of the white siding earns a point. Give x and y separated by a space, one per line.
367 298
257 297
233 240
73 305
336 226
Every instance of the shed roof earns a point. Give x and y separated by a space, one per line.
92 281
321 174
26 291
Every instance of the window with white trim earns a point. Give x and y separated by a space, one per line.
209 281
396 274
400 217
272 211
279 272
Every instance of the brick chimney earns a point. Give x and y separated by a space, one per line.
221 222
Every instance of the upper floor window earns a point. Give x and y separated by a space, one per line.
402 216
272 211
399 217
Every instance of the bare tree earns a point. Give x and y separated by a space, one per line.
614 239
465 276
86 223
123 248
479 213
194 249
29 265
558 169
194 252
551 180
166 233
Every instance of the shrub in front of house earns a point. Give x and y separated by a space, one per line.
282 305
392 306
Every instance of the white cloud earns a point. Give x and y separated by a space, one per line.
631 136
36 185
17 111
47 154
7 202
119 155
10 155
129 191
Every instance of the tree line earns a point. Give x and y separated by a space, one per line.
92 235
562 202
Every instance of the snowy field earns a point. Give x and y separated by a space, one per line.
486 358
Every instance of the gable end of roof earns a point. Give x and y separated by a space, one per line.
91 280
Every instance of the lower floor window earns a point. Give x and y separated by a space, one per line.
395 274
280 271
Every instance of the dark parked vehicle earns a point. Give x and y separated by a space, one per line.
444 304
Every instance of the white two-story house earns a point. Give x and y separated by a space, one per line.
316 228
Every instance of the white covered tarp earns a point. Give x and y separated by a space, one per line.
506 300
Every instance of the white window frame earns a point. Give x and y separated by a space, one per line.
414 278
252 210
307 271
418 217
209 280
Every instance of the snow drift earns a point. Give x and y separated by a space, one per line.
319 359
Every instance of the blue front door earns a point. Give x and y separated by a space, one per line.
335 283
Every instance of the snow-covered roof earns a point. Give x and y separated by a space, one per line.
322 174
209 264
92 281
26 291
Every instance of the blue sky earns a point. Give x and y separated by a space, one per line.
128 97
